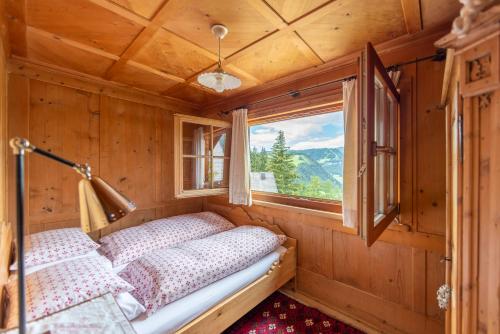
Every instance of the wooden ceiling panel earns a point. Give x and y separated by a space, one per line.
439 12
276 58
352 23
293 9
192 19
83 21
54 51
171 54
137 77
145 8
193 94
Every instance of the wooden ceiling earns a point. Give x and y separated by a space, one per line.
162 45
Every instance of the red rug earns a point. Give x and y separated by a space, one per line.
280 314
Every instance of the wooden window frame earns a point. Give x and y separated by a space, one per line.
331 206
179 120
372 226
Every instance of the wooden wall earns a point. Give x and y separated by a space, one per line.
4 51
392 285
126 137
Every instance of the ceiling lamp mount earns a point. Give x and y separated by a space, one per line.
219 80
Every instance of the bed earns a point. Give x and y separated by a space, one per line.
219 304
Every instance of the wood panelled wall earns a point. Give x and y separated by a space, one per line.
392 285
129 144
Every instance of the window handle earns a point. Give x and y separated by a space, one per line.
376 149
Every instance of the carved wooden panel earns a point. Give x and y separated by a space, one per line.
480 71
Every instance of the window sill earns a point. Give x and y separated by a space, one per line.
202 193
296 209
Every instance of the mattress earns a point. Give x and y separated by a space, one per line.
177 314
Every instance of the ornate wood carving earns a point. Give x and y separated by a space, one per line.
484 101
479 68
468 14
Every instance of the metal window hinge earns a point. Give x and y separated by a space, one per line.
460 126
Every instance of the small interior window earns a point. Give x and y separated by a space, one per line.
202 151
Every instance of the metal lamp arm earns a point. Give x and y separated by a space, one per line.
21 145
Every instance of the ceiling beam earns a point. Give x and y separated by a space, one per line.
314 15
269 13
125 13
413 15
63 40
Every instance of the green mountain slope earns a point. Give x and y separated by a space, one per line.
327 163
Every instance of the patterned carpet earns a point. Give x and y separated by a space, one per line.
280 314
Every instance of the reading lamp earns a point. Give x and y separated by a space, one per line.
100 205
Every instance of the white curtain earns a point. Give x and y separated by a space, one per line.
350 173
199 149
239 168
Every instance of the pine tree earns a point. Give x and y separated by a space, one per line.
263 160
254 159
282 166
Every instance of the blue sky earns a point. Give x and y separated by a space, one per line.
320 131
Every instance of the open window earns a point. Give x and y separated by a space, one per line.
379 153
202 150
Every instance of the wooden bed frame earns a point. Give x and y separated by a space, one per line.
224 314
6 253
219 317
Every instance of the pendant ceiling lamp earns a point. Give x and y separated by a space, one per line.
219 80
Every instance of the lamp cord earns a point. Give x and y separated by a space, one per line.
219 63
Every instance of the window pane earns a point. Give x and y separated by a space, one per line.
221 173
196 173
195 139
300 157
222 142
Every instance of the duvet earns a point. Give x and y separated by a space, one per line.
165 275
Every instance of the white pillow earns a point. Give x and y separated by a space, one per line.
63 285
33 269
126 245
130 307
56 245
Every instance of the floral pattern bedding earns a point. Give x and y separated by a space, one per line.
55 245
129 244
64 285
165 275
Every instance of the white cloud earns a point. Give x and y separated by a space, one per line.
299 133
329 143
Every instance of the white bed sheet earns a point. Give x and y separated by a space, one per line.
182 311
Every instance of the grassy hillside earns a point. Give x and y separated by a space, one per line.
326 163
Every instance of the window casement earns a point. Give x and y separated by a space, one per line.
317 169
202 150
379 149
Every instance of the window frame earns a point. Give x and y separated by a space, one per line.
311 203
373 225
179 120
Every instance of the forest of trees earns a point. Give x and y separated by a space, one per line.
280 161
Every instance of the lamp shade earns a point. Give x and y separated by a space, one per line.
219 80
101 204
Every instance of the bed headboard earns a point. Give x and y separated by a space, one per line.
6 253
239 216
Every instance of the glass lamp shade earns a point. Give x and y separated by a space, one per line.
219 80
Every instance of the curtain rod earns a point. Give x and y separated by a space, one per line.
439 56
